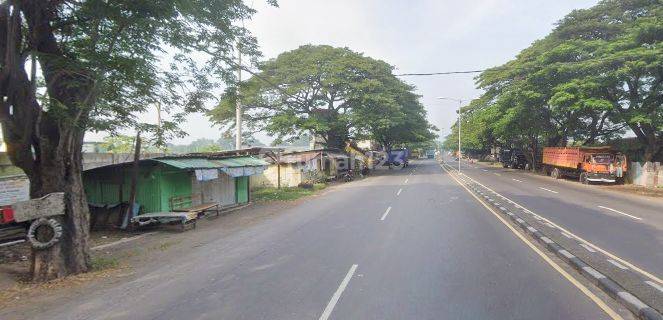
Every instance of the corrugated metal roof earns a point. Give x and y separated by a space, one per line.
242 162
190 163
202 163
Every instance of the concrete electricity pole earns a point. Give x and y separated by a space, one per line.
238 107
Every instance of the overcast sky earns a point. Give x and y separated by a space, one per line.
414 36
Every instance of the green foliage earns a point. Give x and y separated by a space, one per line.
599 72
328 92
126 144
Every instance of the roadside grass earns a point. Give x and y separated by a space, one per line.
103 263
285 194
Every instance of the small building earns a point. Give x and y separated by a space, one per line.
165 182
295 168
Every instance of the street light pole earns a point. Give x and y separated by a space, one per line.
460 104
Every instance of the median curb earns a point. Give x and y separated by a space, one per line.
604 282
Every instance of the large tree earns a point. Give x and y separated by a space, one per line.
390 113
70 66
310 89
598 72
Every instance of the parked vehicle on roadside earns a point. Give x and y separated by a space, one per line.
398 157
513 158
588 164
348 175
33 220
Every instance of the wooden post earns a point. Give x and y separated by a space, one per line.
134 179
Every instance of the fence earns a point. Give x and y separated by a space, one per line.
649 174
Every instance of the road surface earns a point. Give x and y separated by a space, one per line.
412 244
627 225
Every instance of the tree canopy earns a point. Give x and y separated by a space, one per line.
598 74
72 66
333 93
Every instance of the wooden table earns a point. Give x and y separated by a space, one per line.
200 209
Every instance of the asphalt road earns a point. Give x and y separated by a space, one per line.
626 225
435 254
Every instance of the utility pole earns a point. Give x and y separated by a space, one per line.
460 104
238 107
159 132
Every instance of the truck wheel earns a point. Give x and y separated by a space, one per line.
44 233
583 178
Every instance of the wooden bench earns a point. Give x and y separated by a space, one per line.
201 209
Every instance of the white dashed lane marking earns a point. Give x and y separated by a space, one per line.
617 264
516 180
384 216
553 191
622 213
337 295
655 285
399 191
588 248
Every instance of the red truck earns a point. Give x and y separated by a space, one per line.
588 164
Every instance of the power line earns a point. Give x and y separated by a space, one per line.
438 73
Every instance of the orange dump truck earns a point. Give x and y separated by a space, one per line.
588 164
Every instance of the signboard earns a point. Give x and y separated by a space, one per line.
14 189
207 174
243 171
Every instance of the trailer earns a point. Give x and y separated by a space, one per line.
588 164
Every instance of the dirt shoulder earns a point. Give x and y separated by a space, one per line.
122 256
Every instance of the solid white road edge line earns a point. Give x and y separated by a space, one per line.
337 295
617 211
385 214
607 253
600 303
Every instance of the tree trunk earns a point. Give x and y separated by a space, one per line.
46 144
59 171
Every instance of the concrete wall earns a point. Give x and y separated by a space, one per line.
648 174
95 160
291 176
90 161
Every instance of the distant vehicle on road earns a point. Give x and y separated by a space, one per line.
588 164
513 158
398 157
430 154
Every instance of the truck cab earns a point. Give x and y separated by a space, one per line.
513 158
603 167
